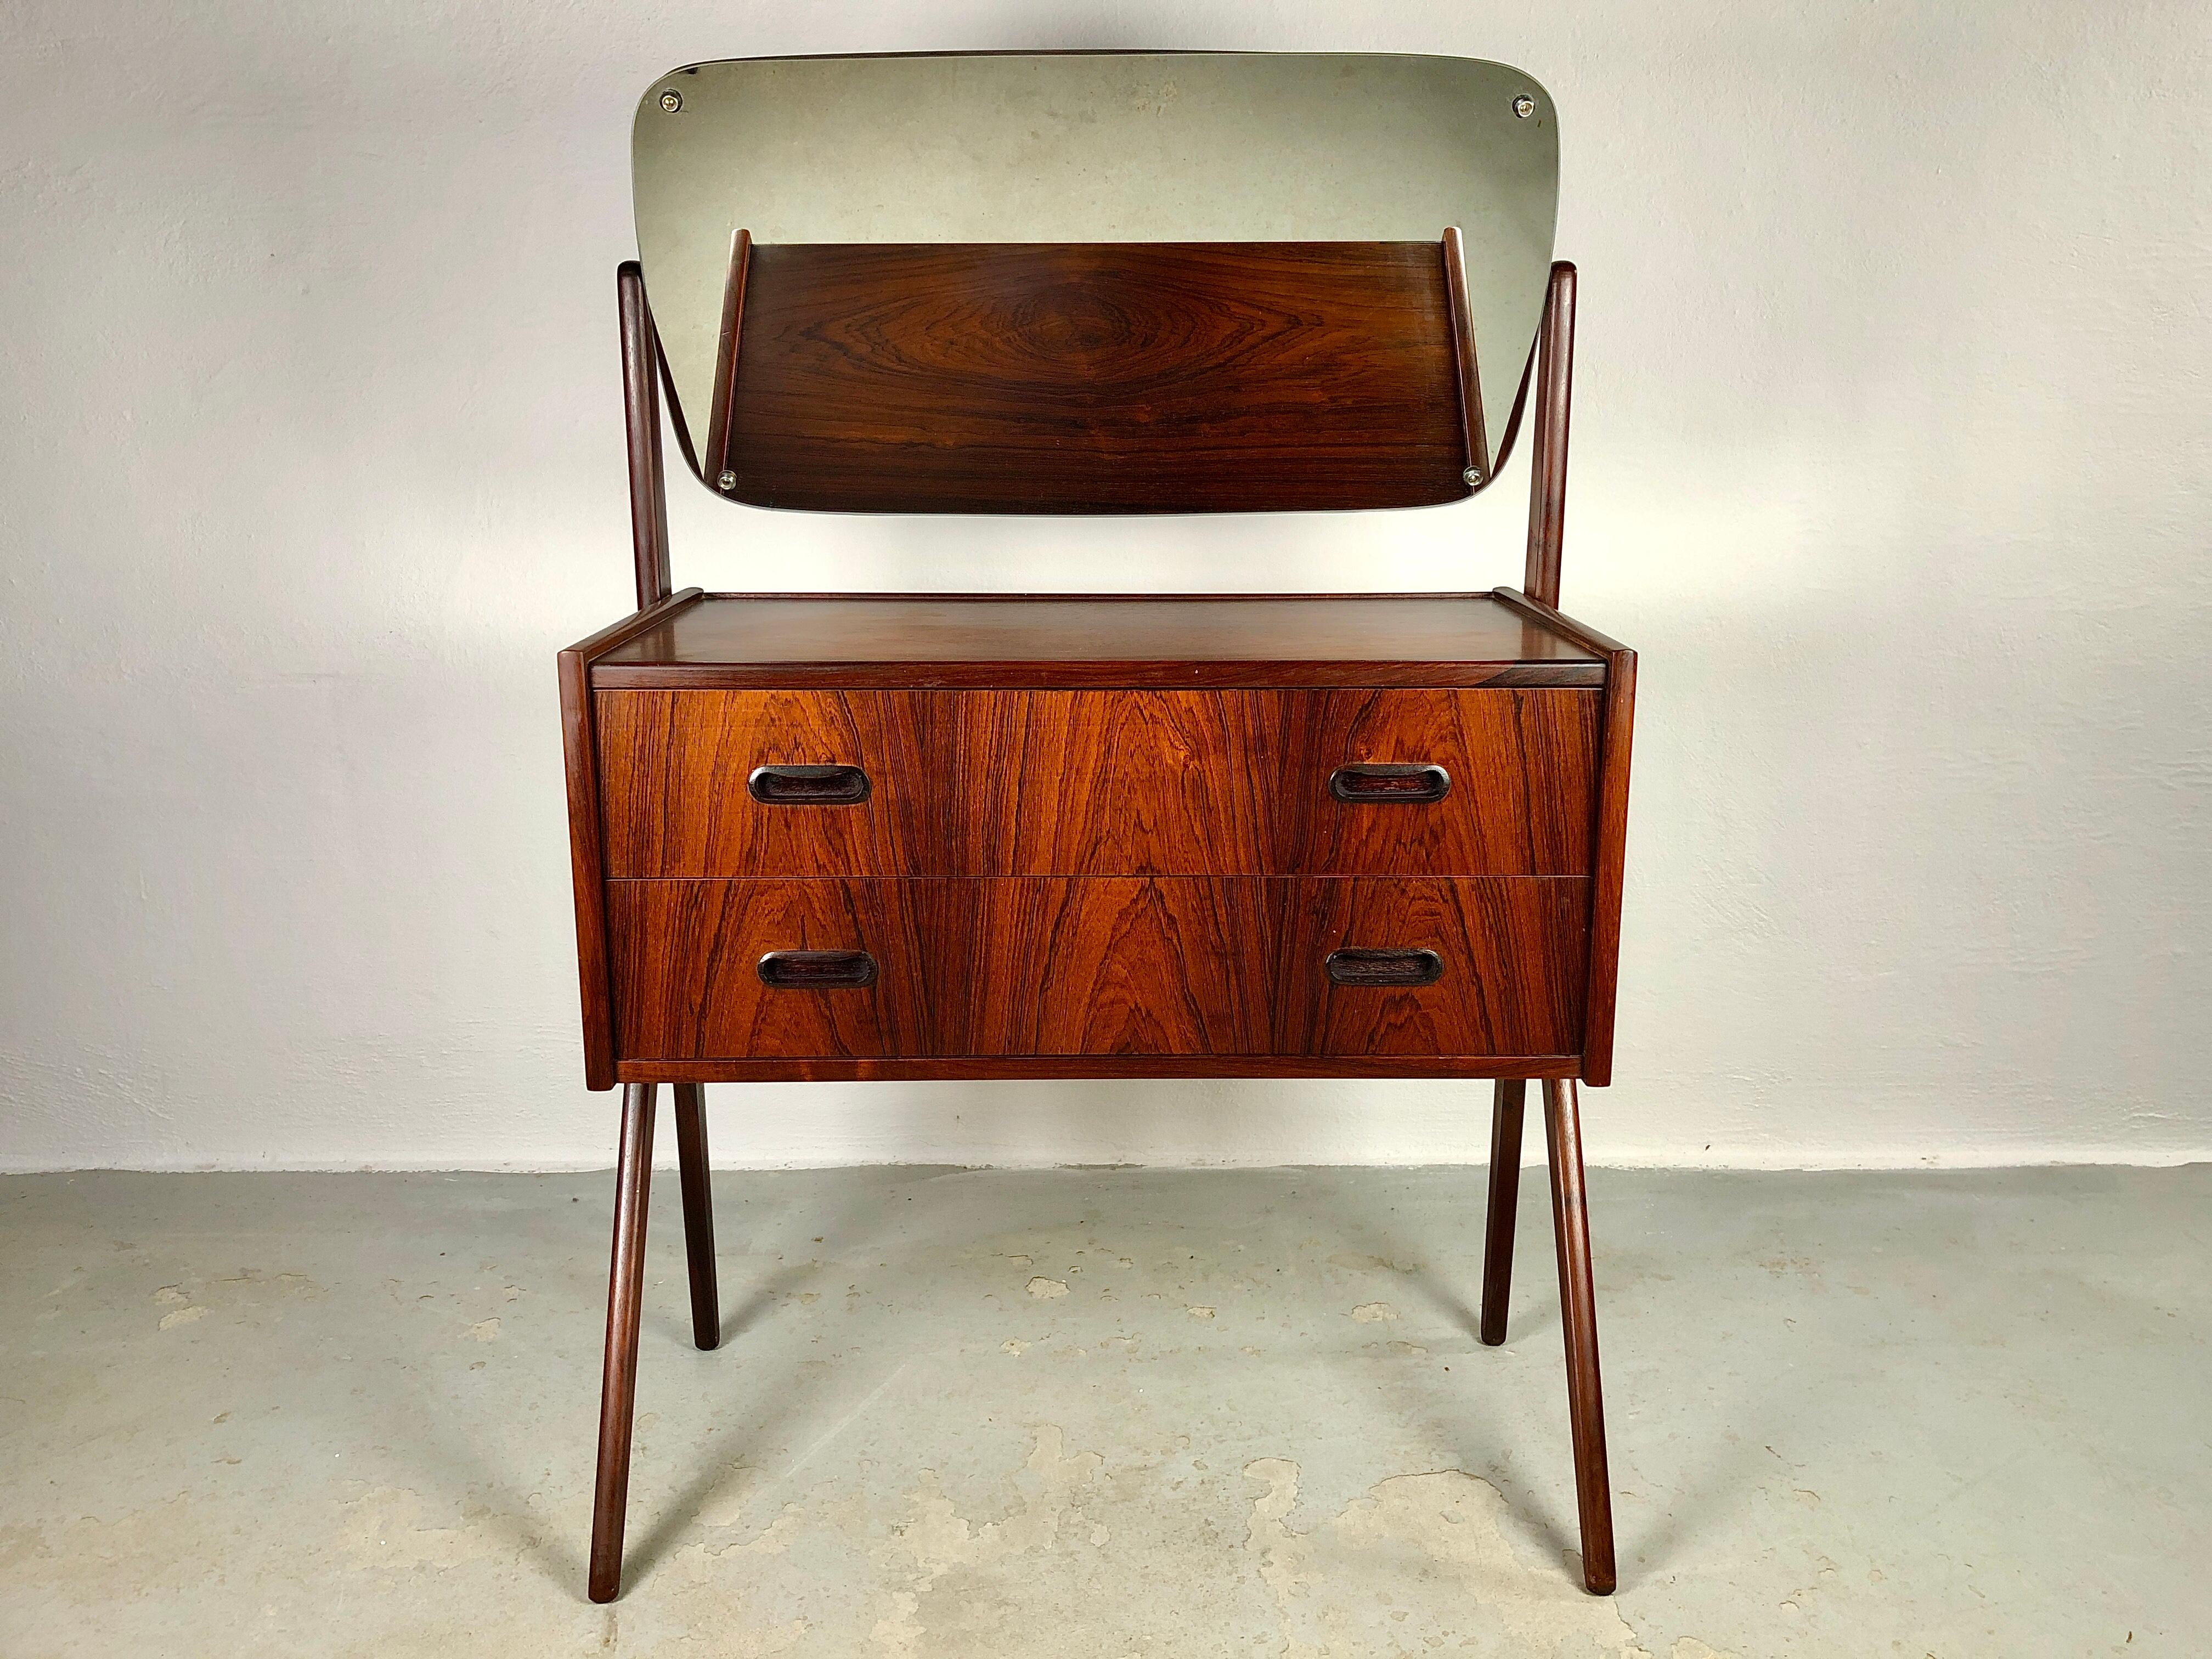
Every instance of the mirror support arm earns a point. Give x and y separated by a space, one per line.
1547 471
648 485
1479 470
717 459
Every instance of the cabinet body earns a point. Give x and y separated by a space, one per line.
830 856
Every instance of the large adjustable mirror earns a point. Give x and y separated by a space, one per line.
1445 170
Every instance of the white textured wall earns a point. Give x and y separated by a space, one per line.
1890 457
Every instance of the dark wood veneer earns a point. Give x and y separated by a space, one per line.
687 977
1610 853
1117 377
1521 764
1010 640
1120 782
1512 952
1465 359
580 748
716 460
1137 965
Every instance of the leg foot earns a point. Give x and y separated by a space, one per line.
1563 1135
1512 1093
693 1171
618 1391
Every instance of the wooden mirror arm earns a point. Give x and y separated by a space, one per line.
649 485
1547 470
716 461
1479 468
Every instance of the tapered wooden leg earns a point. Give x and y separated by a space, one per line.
693 1171
1506 1107
1563 1135
625 1291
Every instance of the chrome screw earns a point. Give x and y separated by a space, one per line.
1524 105
1473 475
672 101
728 481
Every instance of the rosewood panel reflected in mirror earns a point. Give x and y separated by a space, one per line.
977 213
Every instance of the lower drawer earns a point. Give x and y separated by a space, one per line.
1172 965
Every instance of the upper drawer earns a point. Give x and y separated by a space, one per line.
677 781
1338 781
1488 782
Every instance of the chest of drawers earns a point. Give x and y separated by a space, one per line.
878 836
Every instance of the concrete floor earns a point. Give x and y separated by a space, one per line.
1107 1412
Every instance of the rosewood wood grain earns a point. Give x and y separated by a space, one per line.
1133 966
1610 872
1610 852
1563 1136
1121 377
1036 1068
619 634
1124 782
1513 954
625 1298
726 356
1547 469
1232 966
679 768
1601 646
1506 1111
1522 763
588 873
687 984
648 485
693 1172
1117 782
586 851
1463 350
1075 641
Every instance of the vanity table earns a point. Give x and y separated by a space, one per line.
845 836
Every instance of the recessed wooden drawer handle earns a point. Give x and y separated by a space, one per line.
1387 968
817 970
1389 782
808 786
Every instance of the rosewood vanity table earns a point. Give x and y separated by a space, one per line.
926 835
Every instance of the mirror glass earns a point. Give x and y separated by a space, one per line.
1084 147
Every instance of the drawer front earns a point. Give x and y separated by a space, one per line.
1105 965
1429 967
1483 781
1172 966
717 783
1487 782
771 969
1121 783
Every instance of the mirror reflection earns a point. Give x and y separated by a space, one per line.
1075 148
